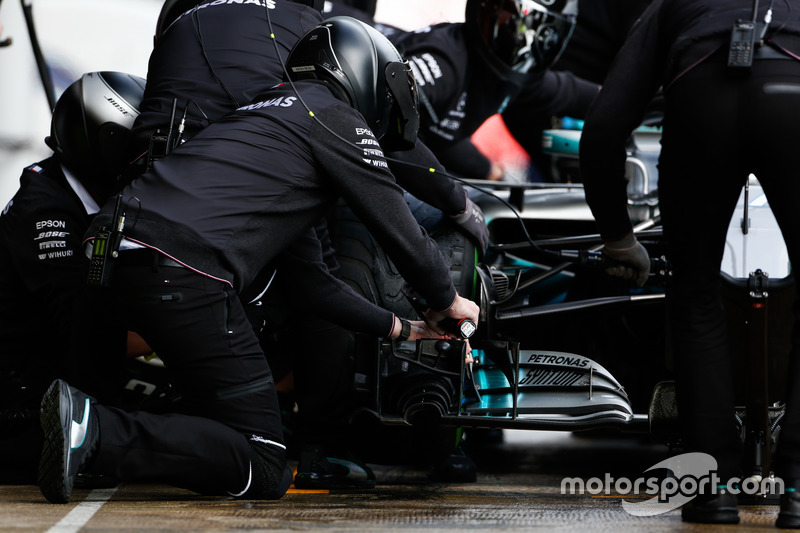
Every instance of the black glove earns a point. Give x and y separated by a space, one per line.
632 256
471 220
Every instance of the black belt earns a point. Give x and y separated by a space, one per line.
145 257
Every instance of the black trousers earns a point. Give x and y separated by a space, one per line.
717 131
198 328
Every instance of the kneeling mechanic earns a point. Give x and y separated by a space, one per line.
202 224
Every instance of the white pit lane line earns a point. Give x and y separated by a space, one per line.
83 512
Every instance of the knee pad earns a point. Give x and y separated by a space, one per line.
270 475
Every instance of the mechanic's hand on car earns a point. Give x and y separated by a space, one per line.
422 330
461 308
633 259
472 221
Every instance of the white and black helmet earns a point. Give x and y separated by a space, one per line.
91 123
519 38
368 71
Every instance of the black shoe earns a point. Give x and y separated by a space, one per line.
71 434
712 509
458 467
318 469
789 515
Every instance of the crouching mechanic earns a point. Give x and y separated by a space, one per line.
43 268
209 58
202 224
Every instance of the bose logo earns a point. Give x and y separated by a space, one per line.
118 106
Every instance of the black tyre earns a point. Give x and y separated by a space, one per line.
370 272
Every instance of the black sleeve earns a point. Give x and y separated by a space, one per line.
412 169
313 289
361 175
632 82
466 160
557 93
329 257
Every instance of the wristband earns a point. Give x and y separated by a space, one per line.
405 330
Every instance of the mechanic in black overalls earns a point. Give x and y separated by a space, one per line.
208 61
231 43
721 123
504 51
193 241
601 28
43 267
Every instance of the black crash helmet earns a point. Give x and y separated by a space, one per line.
91 123
368 71
519 38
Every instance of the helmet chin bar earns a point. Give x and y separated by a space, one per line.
403 126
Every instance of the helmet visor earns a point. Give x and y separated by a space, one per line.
523 34
404 118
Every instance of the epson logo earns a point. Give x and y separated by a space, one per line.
118 106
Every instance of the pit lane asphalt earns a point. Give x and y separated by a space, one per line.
518 489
